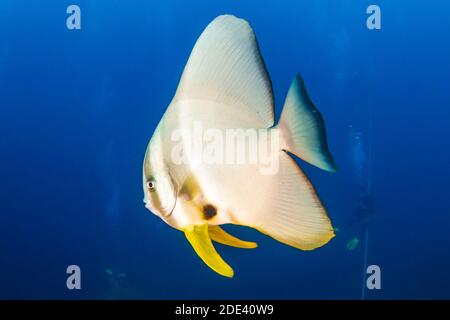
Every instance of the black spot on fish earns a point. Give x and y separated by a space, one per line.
209 211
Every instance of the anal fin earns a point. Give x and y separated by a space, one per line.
291 211
221 236
198 237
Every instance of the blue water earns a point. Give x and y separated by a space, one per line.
78 108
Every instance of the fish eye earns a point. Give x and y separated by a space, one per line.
151 185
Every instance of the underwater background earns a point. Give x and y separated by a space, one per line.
79 106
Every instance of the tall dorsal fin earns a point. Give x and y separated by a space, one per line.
225 66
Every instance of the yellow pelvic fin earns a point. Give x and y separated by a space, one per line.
198 237
221 236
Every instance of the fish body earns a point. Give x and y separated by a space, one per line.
217 156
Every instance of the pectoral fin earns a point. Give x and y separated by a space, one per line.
190 188
198 237
221 236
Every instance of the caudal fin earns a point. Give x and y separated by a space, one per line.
303 128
